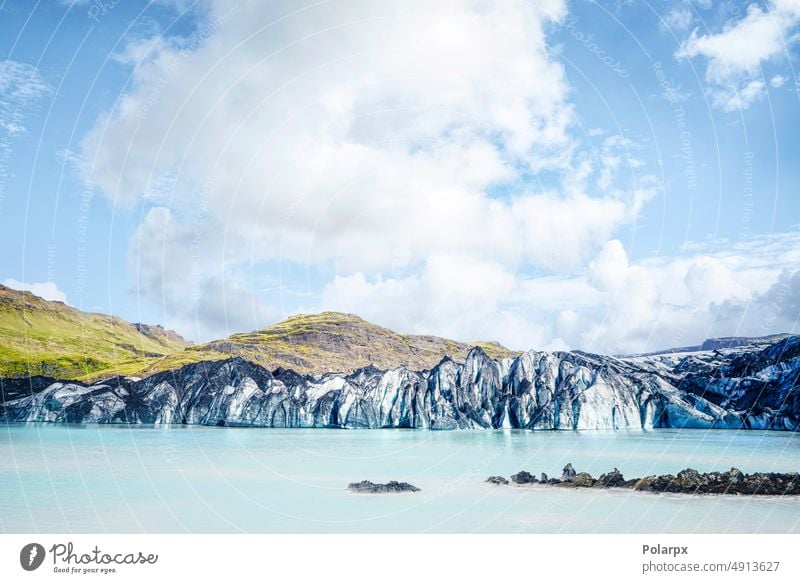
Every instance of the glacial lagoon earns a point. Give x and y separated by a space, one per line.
175 479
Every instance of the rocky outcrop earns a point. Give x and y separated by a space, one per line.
392 487
753 387
612 479
523 477
688 481
497 480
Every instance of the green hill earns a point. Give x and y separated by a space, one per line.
328 342
40 337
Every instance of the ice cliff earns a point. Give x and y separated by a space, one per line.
753 386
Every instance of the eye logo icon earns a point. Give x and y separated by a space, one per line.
31 556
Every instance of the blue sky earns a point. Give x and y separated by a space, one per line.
610 176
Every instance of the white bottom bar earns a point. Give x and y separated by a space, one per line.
403 558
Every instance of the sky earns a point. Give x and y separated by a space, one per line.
617 177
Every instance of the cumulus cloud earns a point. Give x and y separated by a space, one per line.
182 271
617 306
452 294
776 309
736 54
361 137
46 290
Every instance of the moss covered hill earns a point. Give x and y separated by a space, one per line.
38 337
327 342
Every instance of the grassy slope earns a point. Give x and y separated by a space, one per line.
50 338
327 342
38 337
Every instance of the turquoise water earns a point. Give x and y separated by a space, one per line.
122 479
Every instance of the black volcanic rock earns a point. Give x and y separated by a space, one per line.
392 487
691 481
612 479
497 480
568 473
688 481
583 480
524 477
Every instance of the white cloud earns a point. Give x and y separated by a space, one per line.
737 98
775 310
619 306
46 290
453 295
679 18
360 137
21 86
181 270
736 54
777 81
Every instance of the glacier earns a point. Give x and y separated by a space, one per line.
747 385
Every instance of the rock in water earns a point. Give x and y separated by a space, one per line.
612 479
735 476
391 487
497 480
688 481
583 480
523 477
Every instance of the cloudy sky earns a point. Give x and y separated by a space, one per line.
607 176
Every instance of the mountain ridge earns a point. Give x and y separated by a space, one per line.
51 339
99 347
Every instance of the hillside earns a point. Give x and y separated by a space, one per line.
326 342
40 337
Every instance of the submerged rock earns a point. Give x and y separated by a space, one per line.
367 487
568 473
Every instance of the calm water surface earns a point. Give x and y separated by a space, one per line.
121 479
